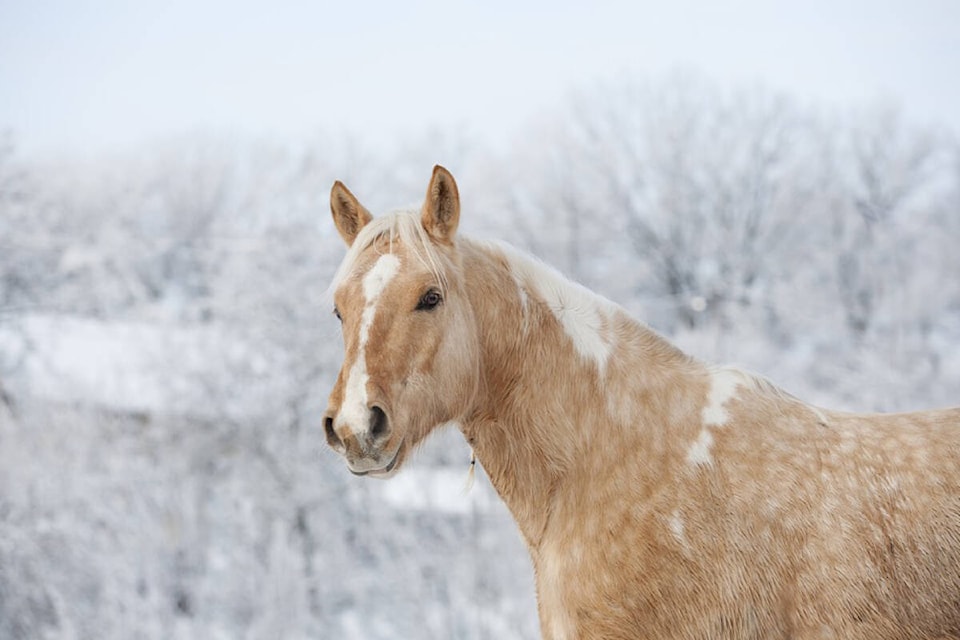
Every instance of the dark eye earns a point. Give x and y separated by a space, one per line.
336 312
429 300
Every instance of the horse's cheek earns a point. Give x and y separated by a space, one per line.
458 358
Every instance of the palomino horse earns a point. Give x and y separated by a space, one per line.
659 497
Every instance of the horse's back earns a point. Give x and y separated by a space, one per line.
822 525
875 528
890 525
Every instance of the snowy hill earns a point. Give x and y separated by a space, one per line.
201 371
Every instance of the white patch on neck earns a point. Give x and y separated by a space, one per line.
584 315
723 388
524 305
354 411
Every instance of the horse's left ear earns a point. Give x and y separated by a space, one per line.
441 209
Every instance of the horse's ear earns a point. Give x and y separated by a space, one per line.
441 209
348 214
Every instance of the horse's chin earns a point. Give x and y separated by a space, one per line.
386 472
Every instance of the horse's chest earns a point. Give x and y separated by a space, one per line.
586 570
637 572
558 595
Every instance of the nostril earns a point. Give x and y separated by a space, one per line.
332 438
378 422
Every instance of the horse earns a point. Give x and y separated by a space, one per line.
659 496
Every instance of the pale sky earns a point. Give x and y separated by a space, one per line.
89 76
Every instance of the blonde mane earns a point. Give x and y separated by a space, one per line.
660 497
403 226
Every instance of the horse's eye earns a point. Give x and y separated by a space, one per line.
429 300
336 312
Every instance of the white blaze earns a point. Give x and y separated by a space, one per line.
354 411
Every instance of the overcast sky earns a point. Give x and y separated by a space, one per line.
86 76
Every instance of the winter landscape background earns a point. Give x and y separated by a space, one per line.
166 345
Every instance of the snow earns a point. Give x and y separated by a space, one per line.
166 347
437 489
131 366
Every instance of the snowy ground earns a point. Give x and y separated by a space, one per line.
166 346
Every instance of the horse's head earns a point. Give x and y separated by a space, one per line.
408 329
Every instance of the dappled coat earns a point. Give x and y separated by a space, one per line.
659 497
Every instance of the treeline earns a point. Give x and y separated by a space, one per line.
696 206
818 248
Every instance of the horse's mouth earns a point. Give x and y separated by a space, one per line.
385 470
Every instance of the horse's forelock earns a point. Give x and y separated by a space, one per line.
399 226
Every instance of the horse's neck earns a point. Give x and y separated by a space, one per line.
557 391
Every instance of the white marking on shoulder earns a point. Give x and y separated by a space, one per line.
699 452
677 527
723 388
354 409
584 315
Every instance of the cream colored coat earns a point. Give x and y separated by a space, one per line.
659 497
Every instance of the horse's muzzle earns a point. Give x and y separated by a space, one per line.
366 450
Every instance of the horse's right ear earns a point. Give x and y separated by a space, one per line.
348 214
